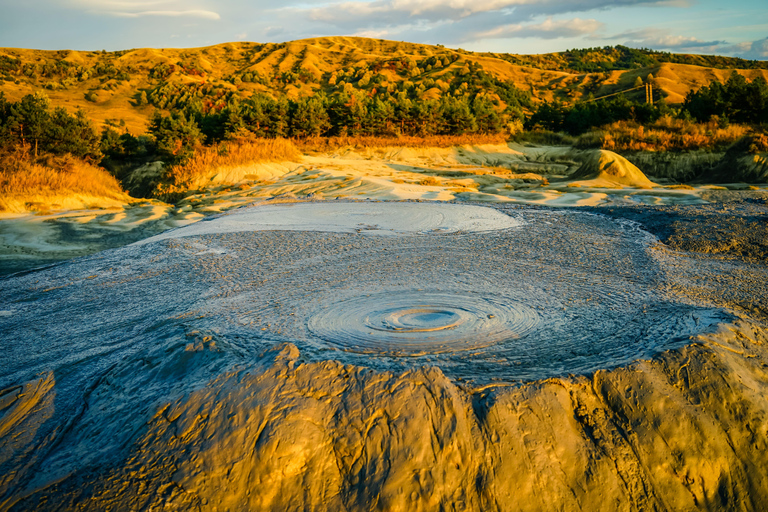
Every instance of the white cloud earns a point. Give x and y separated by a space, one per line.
373 34
756 50
549 29
660 39
386 12
144 8
195 13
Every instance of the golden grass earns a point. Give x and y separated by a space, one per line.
179 179
667 134
22 179
430 181
324 144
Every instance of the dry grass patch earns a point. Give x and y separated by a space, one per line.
24 180
430 181
666 134
179 179
325 144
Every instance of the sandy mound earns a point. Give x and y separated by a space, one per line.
607 168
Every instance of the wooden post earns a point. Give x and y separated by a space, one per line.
649 94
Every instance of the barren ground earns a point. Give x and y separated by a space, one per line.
499 357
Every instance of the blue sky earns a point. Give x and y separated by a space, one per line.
738 28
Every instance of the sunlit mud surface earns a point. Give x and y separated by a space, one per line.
95 347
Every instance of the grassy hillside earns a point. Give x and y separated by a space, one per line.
124 88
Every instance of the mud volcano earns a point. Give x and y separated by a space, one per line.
363 356
482 294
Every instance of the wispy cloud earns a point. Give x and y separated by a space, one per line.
387 12
664 40
549 29
756 50
194 13
145 8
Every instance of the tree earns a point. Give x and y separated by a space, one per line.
309 117
72 134
31 117
176 136
488 121
457 116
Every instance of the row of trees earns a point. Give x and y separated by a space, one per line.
261 116
738 100
33 125
582 117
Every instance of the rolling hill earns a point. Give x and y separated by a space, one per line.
123 89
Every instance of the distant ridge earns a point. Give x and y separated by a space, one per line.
124 88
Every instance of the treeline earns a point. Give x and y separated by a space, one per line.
736 101
609 58
582 117
348 114
33 125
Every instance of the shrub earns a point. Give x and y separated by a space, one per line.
22 177
178 179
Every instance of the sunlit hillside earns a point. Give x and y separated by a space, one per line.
124 88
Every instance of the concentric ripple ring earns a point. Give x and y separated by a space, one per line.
416 322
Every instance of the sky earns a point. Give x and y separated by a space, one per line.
735 28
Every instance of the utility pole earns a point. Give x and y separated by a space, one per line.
649 94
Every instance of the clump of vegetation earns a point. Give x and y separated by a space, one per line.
178 179
22 177
737 100
665 134
753 143
32 124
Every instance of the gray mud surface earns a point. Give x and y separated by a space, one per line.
139 360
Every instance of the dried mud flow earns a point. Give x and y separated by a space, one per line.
532 359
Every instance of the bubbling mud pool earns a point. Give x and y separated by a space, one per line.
484 295
419 322
369 362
